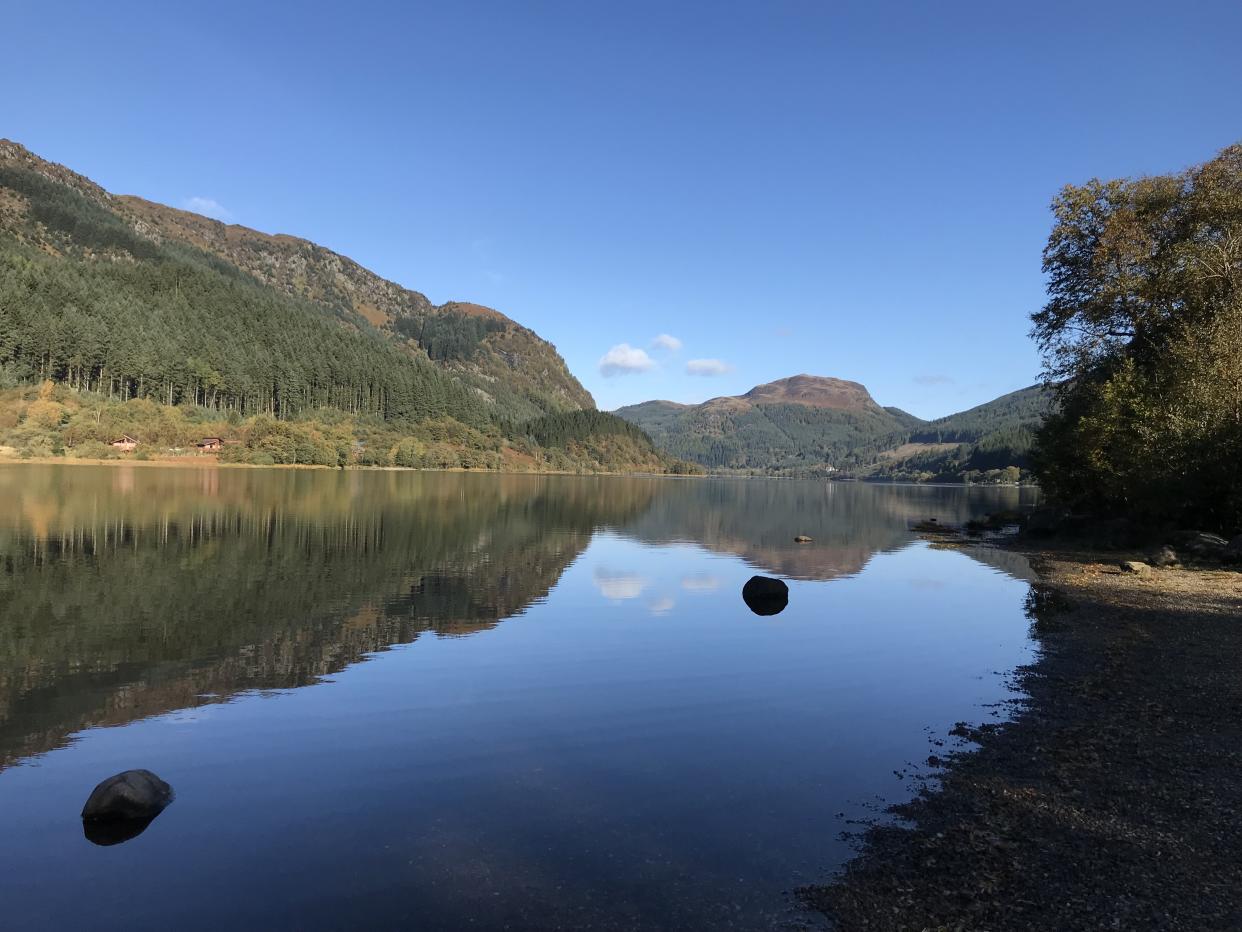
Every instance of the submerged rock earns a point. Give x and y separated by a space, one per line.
131 796
764 595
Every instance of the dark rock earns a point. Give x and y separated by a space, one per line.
108 832
1233 551
1200 544
1163 556
803 539
764 595
134 795
1044 522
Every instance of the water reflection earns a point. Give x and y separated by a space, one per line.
617 744
118 605
131 591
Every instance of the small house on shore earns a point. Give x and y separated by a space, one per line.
125 443
209 445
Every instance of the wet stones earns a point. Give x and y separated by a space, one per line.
764 595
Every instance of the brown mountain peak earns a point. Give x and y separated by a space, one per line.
814 391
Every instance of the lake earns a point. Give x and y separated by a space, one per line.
440 701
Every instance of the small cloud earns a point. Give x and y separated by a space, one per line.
707 367
208 208
934 378
661 606
623 359
666 341
616 586
700 582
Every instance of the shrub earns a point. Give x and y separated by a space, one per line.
92 450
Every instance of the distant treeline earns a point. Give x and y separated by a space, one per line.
448 336
558 430
1015 415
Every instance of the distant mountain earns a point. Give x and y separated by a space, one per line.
53 211
800 423
1020 410
991 436
803 424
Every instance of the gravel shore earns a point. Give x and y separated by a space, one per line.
1111 800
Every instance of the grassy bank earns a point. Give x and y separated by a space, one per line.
1111 800
52 422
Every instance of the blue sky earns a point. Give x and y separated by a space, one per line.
849 189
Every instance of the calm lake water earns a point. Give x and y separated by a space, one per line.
441 701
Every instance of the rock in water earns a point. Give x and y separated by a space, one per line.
108 832
135 795
803 539
764 595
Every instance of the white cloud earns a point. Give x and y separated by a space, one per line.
700 582
707 367
616 586
623 359
666 341
208 208
661 606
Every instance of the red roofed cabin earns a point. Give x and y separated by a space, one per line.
125 443
209 445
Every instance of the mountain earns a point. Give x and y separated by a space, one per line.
114 302
803 424
1023 409
800 423
996 435
516 373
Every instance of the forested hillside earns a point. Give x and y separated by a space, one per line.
104 308
996 436
803 425
195 270
794 426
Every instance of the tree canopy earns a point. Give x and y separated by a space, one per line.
1142 342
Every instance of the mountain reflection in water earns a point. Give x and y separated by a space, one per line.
128 593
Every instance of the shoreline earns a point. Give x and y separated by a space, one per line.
210 462
1112 798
